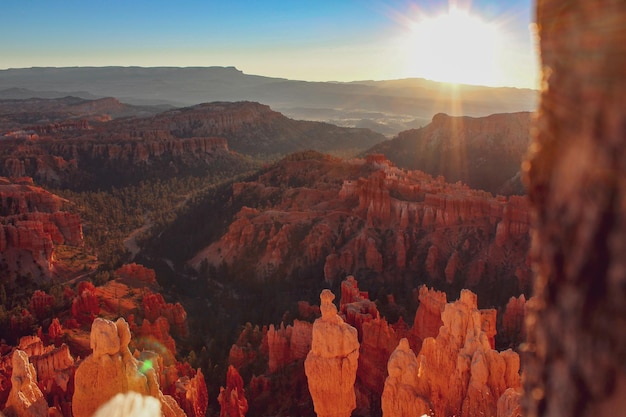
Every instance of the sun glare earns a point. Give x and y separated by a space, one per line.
455 47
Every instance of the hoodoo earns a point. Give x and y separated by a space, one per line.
331 364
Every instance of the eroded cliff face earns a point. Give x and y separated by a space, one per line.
455 373
32 223
444 365
66 381
193 140
367 217
232 398
78 161
111 369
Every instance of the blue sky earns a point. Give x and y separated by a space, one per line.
321 40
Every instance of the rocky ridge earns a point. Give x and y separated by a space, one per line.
368 217
192 139
32 223
62 114
445 364
69 385
484 152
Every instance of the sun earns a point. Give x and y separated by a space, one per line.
455 47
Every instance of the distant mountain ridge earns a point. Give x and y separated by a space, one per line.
400 104
484 152
20 113
93 150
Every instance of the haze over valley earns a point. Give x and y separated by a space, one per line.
387 107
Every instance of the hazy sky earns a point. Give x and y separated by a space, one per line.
319 40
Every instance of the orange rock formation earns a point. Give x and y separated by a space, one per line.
457 372
332 362
513 328
111 369
367 215
32 223
400 397
428 315
154 306
25 398
232 399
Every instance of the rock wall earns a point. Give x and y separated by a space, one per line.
400 396
31 224
381 221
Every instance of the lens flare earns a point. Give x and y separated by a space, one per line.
146 366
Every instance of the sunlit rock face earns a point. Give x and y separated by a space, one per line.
25 398
453 341
400 397
332 362
232 398
484 152
288 344
455 373
111 369
428 315
32 224
312 215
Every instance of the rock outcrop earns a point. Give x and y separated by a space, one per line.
400 396
513 329
154 306
85 304
192 395
377 338
510 403
288 344
193 139
25 398
55 368
484 152
428 315
457 372
232 399
331 364
367 216
111 369
31 225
